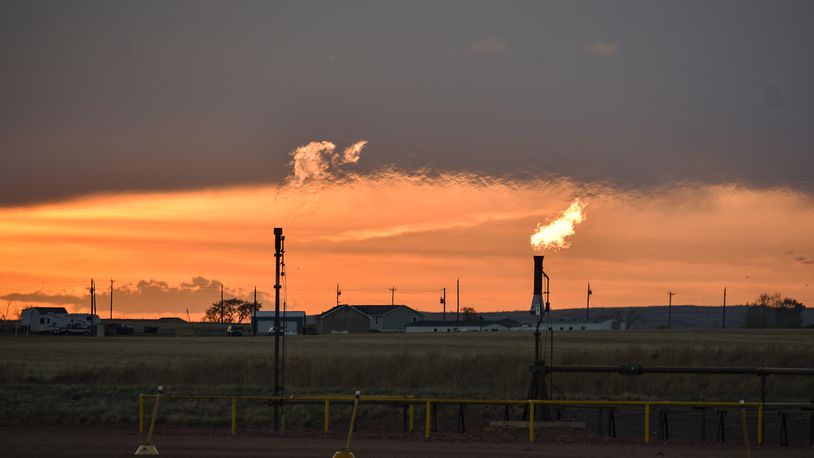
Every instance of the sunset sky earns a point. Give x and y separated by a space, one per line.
404 145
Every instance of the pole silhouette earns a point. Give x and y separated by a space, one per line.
444 302
670 308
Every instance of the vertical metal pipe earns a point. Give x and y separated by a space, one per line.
278 243
531 421
327 420
234 415
428 420
646 423
140 413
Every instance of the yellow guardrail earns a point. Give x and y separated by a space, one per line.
411 402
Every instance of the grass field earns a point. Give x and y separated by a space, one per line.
84 380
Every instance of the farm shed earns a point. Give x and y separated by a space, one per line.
292 322
366 318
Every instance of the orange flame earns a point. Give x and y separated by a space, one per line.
554 235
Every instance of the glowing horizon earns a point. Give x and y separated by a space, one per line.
369 233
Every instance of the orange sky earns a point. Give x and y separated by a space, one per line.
419 234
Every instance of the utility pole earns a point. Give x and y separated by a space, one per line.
222 305
111 298
723 323
458 299
338 293
278 259
444 302
92 306
588 303
92 297
670 295
393 296
254 313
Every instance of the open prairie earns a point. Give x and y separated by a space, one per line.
85 380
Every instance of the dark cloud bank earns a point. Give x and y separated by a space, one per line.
145 296
121 96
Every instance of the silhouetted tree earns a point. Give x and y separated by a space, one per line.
223 311
469 313
770 311
627 316
244 310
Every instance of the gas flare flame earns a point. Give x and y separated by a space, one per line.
555 234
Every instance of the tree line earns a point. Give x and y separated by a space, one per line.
774 311
232 310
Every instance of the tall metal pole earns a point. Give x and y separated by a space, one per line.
458 300
444 301
670 308
393 296
92 305
222 307
254 313
111 298
278 248
588 303
723 322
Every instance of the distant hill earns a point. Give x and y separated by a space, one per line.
646 317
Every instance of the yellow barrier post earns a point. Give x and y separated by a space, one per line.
234 415
412 417
327 420
760 424
140 413
531 421
647 424
428 423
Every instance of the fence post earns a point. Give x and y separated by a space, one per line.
234 415
531 421
140 413
411 413
646 423
428 420
327 420
760 424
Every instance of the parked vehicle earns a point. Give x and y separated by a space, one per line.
74 329
118 329
272 330
234 331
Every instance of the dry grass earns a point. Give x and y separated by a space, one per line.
97 380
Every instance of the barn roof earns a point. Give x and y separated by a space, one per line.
288 314
370 310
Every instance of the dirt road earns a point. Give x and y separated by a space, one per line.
115 442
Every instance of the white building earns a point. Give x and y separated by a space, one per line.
598 325
460 326
293 322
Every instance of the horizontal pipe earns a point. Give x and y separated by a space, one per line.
635 369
